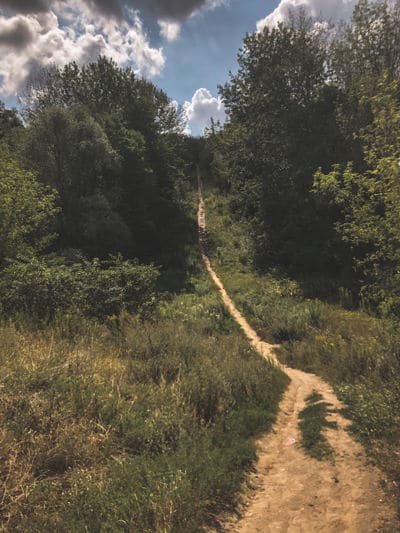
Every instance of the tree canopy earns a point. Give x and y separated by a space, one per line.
310 153
111 145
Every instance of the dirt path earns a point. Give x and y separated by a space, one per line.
291 491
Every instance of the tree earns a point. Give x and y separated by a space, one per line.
8 120
280 108
72 150
368 46
102 87
361 53
111 145
71 153
27 209
369 201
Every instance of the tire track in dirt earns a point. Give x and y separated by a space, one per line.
292 492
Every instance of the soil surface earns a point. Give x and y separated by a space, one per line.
290 491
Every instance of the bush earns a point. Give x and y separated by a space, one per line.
44 289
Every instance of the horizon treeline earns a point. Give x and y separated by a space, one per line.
310 154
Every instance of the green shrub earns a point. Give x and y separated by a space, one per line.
44 289
374 413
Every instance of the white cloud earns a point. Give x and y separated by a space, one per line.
331 10
199 111
169 30
55 32
86 37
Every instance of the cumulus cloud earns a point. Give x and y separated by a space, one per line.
107 7
39 33
28 42
169 30
161 9
199 111
332 10
26 6
15 32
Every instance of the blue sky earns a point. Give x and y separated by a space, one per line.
208 46
207 49
187 47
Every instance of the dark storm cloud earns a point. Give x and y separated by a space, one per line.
15 33
107 7
26 6
166 9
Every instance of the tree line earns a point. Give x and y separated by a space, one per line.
311 151
95 166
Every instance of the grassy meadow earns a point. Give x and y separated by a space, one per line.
130 424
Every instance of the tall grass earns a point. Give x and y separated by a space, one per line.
132 425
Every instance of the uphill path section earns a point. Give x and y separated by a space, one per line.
291 491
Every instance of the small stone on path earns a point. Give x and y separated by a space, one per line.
289 442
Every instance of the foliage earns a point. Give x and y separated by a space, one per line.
111 144
8 120
102 86
27 209
367 47
43 289
369 202
280 108
73 154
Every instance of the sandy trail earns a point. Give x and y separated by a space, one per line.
291 491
